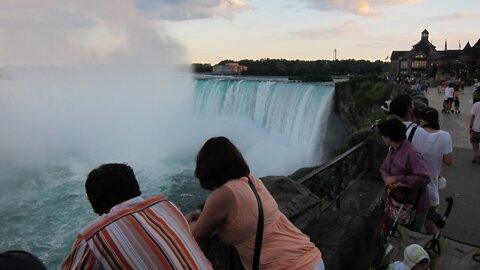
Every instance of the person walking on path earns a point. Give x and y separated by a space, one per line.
132 233
474 130
456 101
440 143
449 98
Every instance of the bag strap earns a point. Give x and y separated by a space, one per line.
410 136
259 236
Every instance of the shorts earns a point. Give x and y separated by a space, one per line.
450 99
475 137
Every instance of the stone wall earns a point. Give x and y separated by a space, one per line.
348 234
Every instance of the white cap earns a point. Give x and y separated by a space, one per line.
386 106
414 254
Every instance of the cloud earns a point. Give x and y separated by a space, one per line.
346 29
58 32
192 9
359 7
455 17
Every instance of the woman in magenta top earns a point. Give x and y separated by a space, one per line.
405 166
231 210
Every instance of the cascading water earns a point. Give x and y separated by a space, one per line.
293 112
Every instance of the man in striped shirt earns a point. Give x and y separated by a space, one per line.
132 233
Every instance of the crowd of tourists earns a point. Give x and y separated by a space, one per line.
452 91
417 150
411 171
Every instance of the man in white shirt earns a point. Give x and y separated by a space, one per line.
475 131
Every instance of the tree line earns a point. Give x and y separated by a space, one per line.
318 70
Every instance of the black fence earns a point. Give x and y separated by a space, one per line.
333 178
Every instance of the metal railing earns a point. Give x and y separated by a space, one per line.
333 178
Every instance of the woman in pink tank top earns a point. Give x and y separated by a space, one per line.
231 210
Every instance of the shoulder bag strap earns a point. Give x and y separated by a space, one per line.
410 136
259 236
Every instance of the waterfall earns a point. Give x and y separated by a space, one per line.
298 113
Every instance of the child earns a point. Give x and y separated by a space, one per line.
414 258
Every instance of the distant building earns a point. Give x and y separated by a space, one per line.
423 60
228 69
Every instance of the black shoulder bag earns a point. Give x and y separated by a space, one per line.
259 236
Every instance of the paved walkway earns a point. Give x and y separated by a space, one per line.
463 177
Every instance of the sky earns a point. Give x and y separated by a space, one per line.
59 32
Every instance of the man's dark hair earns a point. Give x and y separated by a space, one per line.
430 115
109 185
219 161
20 260
400 105
393 129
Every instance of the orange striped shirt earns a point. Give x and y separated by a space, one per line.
137 234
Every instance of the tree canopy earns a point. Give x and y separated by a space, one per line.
301 69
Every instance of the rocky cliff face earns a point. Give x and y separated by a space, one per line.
345 108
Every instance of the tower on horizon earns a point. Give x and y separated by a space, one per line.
334 54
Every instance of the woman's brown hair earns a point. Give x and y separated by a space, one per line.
219 161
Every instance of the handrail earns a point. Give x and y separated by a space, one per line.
339 179
329 163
